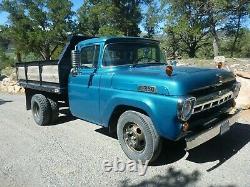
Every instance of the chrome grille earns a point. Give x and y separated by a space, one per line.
213 102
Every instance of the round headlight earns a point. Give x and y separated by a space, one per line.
185 108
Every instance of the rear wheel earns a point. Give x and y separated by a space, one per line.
138 137
40 107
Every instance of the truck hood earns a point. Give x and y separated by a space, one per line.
183 80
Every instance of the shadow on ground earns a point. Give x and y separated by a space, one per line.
223 147
105 131
172 178
220 148
4 101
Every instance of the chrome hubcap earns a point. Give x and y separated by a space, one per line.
134 137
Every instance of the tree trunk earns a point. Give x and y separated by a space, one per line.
47 53
216 42
233 46
19 56
192 52
236 36
216 47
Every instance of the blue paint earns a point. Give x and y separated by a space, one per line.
118 85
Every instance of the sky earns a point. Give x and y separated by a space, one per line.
4 15
76 5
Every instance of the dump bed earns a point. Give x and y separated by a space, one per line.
49 76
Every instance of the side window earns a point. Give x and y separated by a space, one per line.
90 56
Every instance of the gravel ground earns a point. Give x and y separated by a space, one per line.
72 152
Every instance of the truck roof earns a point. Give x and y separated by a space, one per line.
116 39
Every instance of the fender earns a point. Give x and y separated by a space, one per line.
161 109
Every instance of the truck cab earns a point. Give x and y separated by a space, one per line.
124 84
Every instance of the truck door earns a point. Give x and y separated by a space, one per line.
84 87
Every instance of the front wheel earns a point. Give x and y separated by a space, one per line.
138 137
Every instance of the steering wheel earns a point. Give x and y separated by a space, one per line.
148 58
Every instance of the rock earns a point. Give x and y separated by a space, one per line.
218 59
17 88
6 81
243 74
234 65
12 83
243 100
11 89
22 90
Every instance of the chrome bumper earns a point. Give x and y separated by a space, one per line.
202 137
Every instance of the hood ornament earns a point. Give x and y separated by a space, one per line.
169 70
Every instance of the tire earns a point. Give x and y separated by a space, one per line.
41 110
145 149
54 110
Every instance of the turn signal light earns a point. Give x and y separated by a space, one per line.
220 65
185 126
169 70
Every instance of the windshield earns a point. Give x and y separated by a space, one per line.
131 54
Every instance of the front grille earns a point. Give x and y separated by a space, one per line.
213 102
205 118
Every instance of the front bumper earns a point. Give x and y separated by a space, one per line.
220 127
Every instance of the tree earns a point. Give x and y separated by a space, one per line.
186 25
171 43
38 26
129 16
215 13
151 18
238 10
110 17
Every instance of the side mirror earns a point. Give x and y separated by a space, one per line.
75 61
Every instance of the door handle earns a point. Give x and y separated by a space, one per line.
91 79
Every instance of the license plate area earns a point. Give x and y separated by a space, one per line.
224 127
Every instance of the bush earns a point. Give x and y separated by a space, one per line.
5 60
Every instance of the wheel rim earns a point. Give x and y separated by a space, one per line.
36 110
134 137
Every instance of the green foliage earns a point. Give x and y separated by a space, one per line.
110 17
151 18
193 28
38 26
243 45
185 27
5 60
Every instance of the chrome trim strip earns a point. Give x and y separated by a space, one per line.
198 139
213 103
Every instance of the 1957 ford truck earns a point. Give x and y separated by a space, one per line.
122 83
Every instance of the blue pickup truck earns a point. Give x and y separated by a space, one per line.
122 83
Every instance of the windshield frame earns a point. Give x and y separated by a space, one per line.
131 65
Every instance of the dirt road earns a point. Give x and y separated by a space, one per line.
72 153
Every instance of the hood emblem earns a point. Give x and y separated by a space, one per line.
148 89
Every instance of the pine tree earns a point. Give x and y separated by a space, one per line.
38 26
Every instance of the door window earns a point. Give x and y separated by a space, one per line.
90 56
